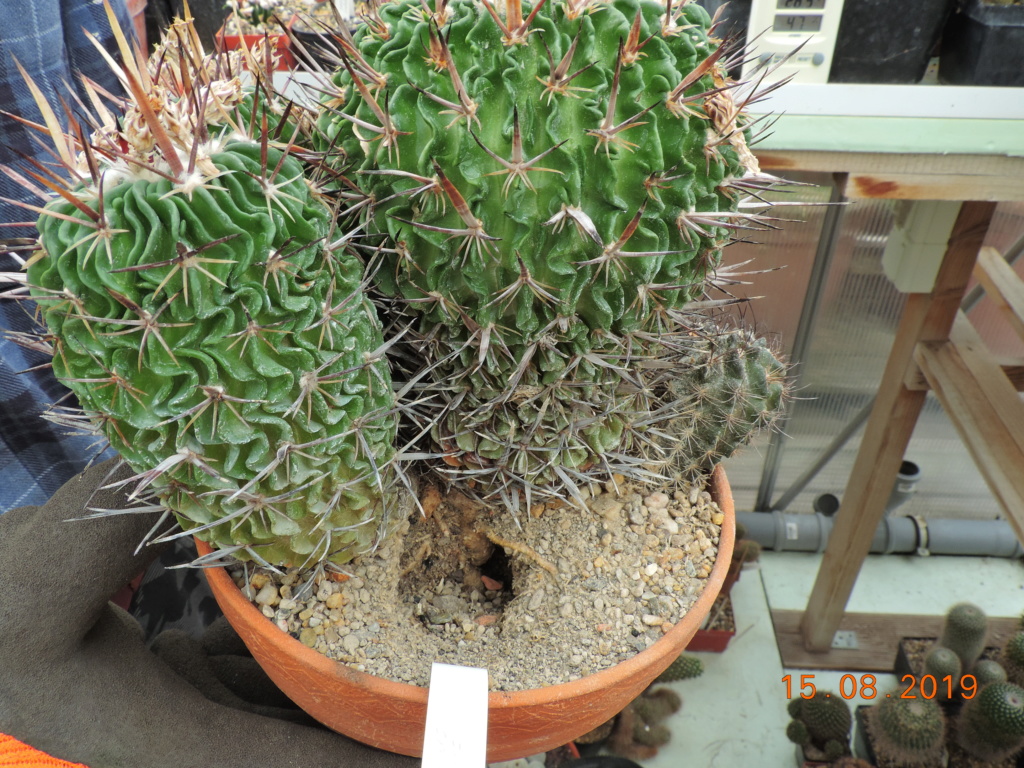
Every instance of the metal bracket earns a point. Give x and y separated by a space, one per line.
845 639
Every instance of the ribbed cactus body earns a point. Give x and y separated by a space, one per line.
211 344
991 725
558 181
908 732
202 305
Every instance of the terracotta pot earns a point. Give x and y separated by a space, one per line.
391 715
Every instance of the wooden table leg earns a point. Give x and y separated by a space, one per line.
926 317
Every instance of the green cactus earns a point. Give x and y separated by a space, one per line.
797 732
201 310
558 186
941 662
827 716
991 725
683 668
823 718
907 732
989 671
963 632
1012 658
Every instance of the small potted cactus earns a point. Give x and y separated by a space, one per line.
536 198
820 727
904 732
990 727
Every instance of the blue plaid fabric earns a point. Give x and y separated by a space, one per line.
47 39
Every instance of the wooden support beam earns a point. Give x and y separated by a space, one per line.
1003 286
985 409
926 317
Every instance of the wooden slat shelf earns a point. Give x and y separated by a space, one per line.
878 635
986 410
1003 286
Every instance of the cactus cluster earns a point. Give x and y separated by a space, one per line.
822 721
548 200
907 731
210 317
556 188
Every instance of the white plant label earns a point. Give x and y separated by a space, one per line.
456 731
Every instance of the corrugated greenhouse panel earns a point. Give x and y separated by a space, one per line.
844 359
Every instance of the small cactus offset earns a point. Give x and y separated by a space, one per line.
963 632
1012 658
558 180
991 725
989 671
683 668
907 732
205 311
731 387
940 662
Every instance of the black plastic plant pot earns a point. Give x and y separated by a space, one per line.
887 41
733 22
982 45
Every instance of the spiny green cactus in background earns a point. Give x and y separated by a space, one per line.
991 725
941 662
683 668
826 720
201 308
963 632
558 181
907 732
1012 657
987 671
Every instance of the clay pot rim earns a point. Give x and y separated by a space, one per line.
285 644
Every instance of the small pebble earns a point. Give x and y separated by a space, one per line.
267 595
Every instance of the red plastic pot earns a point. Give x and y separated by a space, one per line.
391 715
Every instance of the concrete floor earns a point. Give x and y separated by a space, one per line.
735 713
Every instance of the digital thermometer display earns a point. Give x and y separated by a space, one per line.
800 5
789 22
793 38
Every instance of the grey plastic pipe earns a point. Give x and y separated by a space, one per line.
895 535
